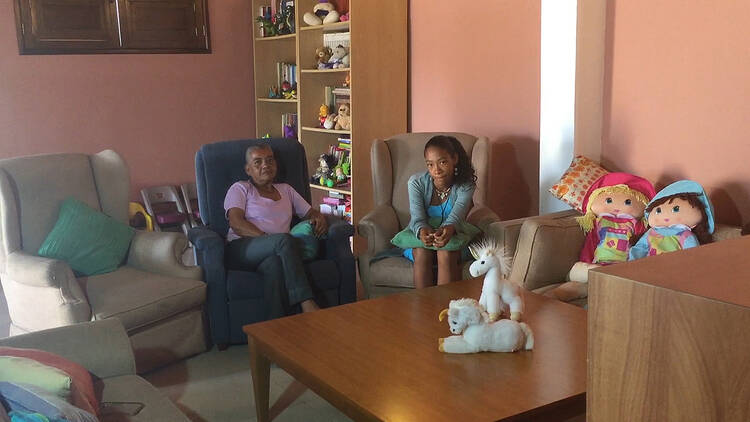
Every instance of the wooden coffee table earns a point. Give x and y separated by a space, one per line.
378 360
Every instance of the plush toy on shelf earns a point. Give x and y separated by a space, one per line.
475 333
499 296
680 216
614 206
343 119
340 57
323 114
330 121
324 12
322 55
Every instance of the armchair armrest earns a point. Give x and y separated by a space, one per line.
209 247
102 347
379 226
482 217
42 292
547 248
161 253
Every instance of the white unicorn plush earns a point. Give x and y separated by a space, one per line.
498 294
466 316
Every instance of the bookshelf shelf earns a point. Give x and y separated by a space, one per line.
276 100
326 188
321 130
277 37
327 27
367 98
341 69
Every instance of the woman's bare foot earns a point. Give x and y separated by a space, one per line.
309 305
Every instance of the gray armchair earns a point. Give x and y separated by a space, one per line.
157 299
393 161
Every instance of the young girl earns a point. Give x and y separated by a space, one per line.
439 200
681 217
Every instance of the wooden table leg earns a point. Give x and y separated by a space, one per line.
260 368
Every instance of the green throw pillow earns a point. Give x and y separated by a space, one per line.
307 241
88 240
465 232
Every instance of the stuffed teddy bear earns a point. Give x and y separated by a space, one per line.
323 12
343 119
681 216
614 206
322 55
340 57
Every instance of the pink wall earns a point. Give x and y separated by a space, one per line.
154 109
475 69
676 96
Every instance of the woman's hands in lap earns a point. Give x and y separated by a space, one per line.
427 236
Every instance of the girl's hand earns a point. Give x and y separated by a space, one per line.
427 236
444 235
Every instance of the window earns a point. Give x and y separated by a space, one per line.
111 26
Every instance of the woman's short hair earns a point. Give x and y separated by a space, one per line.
466 172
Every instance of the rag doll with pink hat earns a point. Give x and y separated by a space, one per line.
614 207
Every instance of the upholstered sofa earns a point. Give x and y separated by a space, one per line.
157 298
545 247
103 348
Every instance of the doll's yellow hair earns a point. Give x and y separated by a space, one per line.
586 221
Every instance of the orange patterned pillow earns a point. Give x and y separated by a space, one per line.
573 185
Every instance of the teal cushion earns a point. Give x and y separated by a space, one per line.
306 240
465 232
88 240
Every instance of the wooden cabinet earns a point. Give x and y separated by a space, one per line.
669 337
173 24
378 74
67 24
98 26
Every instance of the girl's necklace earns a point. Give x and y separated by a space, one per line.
443 193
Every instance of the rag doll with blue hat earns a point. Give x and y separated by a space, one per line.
680 216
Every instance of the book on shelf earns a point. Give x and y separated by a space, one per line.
289 125
286 72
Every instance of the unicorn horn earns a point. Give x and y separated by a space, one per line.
443 313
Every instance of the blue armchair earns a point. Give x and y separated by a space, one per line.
237 298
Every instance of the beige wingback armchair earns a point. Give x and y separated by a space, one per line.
157 299
393 161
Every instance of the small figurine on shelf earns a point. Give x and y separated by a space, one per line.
344 120
340 176
323 172
283 21
346 166
268 29
323 54
288 91
348 80
267 136
323 12
339 58
323 114
289 132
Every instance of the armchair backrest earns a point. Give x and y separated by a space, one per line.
396 159
221 164
32 189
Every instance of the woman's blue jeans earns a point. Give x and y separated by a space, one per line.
248 253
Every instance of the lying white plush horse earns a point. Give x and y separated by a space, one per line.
479 335
498 294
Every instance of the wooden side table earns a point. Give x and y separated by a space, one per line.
669 337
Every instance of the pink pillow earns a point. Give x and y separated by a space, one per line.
82 389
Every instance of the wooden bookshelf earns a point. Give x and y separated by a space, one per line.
378 56
326 188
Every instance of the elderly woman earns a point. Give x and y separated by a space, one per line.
260 215
439 200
